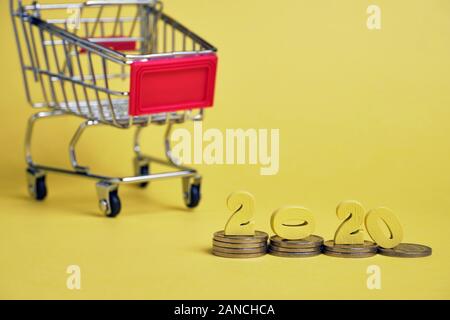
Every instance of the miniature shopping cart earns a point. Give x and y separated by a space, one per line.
122 63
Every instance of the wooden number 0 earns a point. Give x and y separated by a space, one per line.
375 231
241 222
292 223
350 232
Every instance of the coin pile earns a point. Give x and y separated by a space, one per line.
368 249
407 250
307 247
240 246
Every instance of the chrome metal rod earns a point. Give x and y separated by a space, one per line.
119 180
73 143
136 145
168 146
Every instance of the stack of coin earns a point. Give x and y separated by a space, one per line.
406 250
368 249
307 247
240 246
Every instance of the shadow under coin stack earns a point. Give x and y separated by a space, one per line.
240 246
368 249
307 247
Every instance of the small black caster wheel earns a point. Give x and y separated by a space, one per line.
194 196
114 204
36 184
144 171
109 201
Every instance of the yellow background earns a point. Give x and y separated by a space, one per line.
362 115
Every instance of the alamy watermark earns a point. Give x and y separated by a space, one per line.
374 278
234 146
74 279
74 19
374 18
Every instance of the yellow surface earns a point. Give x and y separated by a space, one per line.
362 115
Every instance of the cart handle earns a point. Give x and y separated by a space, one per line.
88 3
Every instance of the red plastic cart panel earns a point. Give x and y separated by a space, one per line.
116 44
172 84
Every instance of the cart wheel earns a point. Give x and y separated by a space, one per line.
143 171
36 184
142 168
115 205
109 201
194 196
112 208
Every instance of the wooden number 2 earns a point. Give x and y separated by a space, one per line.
350 232
373 227
241 222
293 223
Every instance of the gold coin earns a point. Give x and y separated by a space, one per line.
311 241
243 250
294 255
407 250
238 245
259 237
293 250
349 254
238 255
367 247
